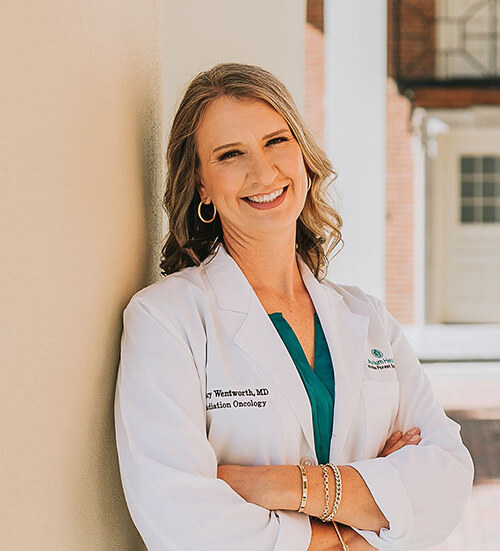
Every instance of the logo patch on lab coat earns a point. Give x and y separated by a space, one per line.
383 363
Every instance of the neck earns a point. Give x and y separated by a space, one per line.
269 264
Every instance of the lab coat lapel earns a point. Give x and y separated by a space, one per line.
346 334
260 340
258 337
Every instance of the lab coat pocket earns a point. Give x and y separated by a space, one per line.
380 401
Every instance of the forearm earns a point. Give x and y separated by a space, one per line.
357 506
279 487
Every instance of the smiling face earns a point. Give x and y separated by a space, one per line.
251 167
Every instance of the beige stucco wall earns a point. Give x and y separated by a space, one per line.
269 33
86 92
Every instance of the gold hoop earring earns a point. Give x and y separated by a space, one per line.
310 183
201 217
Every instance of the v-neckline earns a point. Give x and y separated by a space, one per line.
280 316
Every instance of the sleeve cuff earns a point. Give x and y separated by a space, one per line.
389 492
295 531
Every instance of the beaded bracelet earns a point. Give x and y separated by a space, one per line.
304 489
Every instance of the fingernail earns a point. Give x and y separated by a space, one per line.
415 438
414 430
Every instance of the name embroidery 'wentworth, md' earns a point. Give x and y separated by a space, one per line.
219 398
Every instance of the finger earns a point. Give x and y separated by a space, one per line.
410 433
409 438
393 439
398 440
406 436
395 436
388 449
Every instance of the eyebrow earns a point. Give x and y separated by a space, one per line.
266 137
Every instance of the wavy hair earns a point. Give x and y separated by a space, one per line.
189 241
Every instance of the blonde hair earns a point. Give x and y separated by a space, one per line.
189 241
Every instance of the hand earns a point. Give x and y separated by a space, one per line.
323 536
352 539
399 440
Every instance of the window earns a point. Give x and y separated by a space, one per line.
480 189
467 38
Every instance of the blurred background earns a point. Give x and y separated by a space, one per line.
404 95
421 180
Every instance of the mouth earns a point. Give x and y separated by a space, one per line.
266 198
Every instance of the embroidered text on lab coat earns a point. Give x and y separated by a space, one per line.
225 402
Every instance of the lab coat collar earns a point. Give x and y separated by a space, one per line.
345 332
228 281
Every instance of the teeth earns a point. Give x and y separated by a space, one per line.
265 198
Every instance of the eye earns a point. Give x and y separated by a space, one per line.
279 139
229 154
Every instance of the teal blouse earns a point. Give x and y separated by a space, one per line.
318 382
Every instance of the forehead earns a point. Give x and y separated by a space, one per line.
228 119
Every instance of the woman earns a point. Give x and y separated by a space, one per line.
255 399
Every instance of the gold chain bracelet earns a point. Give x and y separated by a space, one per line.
338 491
327 493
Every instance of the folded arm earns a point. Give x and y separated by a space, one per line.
279 487
422 490
408 499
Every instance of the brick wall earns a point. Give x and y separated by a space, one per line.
413 32
314 69
400 204
400 208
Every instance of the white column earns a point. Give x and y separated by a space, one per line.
355 135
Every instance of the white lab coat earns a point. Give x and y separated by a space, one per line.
205 379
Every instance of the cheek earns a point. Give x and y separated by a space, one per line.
224 186
292 162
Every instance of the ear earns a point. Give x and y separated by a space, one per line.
202 190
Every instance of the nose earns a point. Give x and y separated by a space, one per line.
263 171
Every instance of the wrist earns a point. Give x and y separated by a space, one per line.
315 500
292 486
